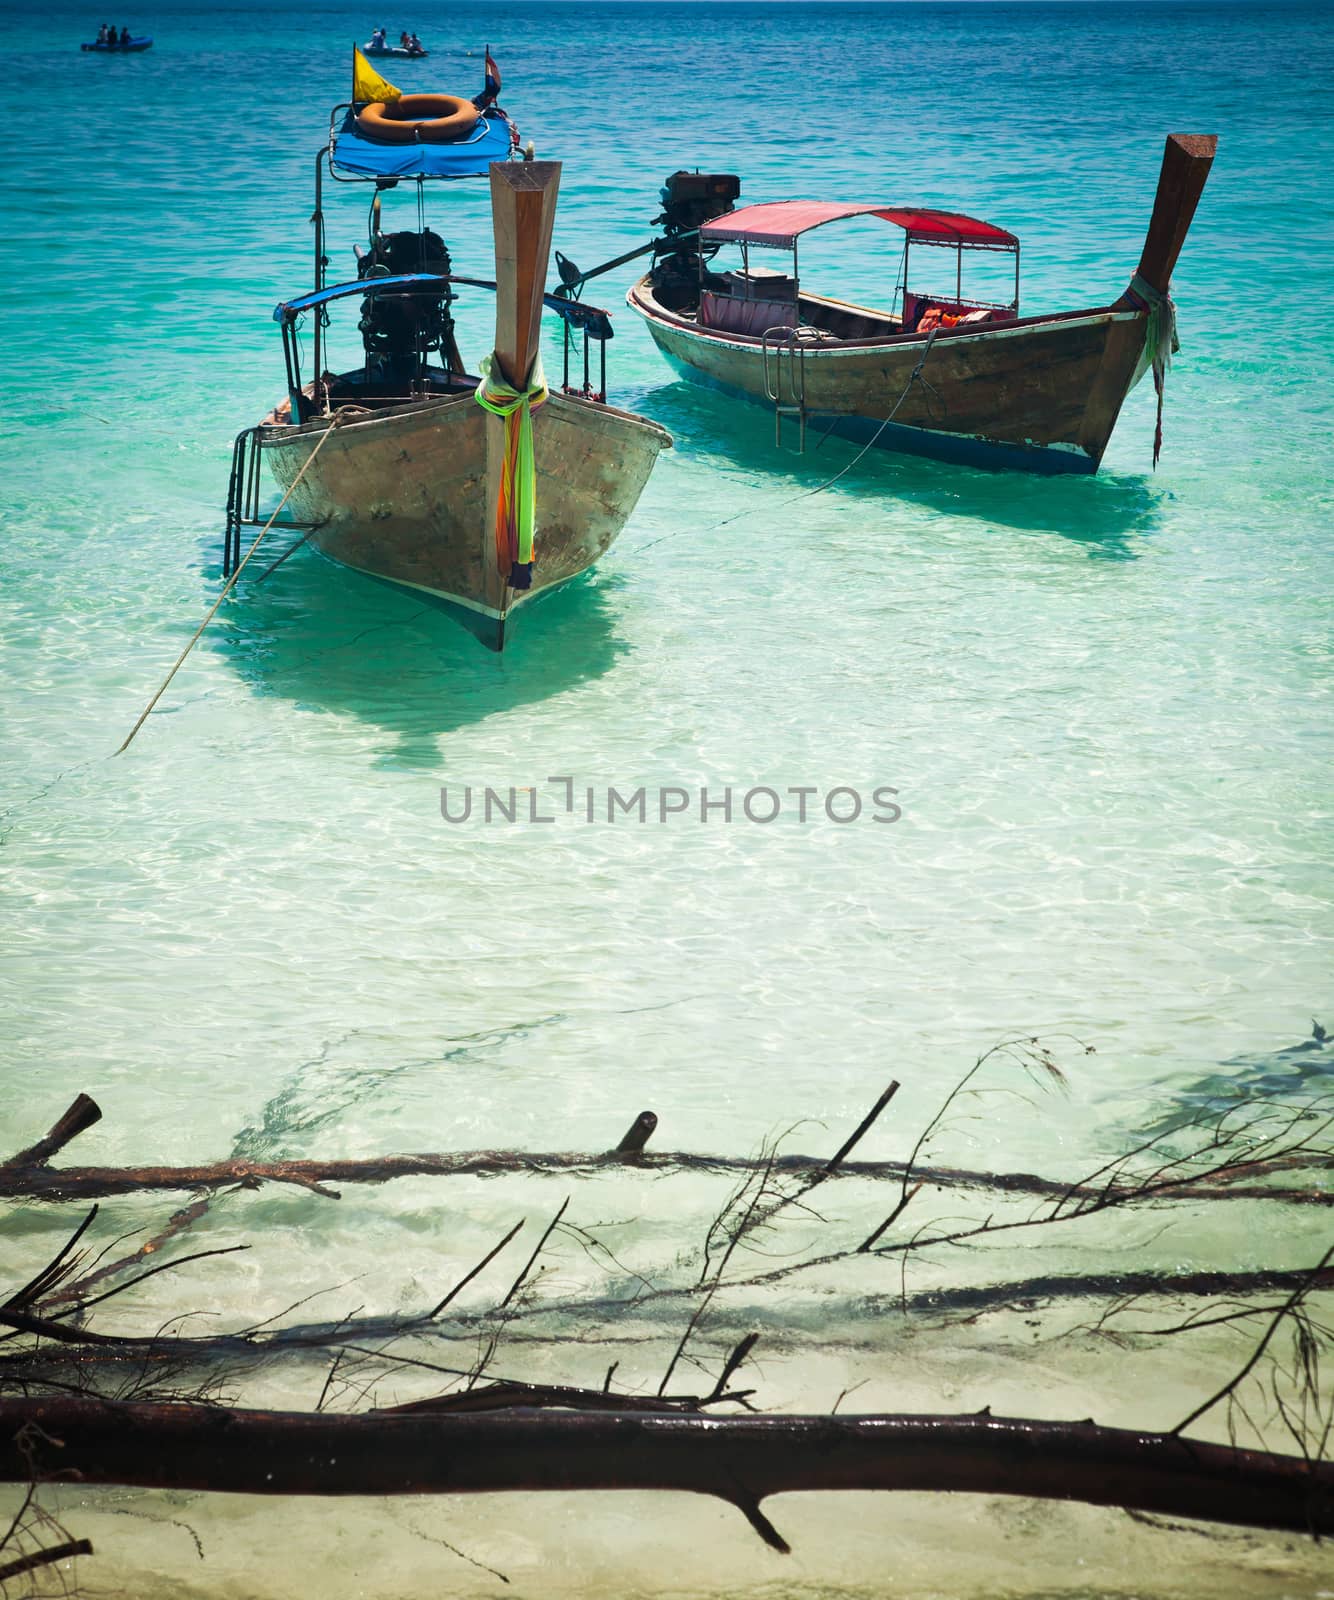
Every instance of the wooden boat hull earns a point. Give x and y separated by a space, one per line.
1042 393
408 494
1037 394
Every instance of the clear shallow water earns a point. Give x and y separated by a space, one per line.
1105 704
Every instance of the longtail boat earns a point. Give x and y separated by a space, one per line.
939 373
480 489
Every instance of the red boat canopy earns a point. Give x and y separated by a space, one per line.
781 222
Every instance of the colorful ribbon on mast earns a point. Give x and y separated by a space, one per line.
516 504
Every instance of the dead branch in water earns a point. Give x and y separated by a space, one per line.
45 1558
742 1460
30 1179
115 1408
26 1545
82 1113
770 1183
91 1350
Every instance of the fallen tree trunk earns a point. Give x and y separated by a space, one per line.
738 1459
87 1183
28 1176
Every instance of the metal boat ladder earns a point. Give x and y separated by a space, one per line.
783 354
243 499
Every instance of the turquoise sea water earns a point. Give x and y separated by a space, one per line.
1104 704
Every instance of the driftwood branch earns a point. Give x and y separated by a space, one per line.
83 1183
221 1449
511 1435
82 1113
44 1558
178 1222
510 1395
637 1135
26 1175
181 1350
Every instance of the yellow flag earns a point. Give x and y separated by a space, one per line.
367 84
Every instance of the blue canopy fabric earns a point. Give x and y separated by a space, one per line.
356 156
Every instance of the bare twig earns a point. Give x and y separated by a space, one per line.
52 1272
1294 1299
861 1130
177 1223
467 1278
532 1259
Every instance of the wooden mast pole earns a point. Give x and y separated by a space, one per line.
1187 158
523 209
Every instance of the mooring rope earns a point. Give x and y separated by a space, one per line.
915 376
229 585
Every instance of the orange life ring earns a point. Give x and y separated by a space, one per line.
418 119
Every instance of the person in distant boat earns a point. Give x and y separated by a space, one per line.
415 45
402 41
378 39
102 34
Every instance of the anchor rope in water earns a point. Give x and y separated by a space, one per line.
228 586
915 376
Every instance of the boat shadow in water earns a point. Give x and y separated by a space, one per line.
1107 515
333 641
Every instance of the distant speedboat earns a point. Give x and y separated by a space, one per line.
394 50
943 374
144 43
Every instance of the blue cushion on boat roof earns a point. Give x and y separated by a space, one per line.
468 158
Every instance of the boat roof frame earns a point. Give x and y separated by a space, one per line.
789 219
575 313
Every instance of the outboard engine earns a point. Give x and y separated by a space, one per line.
400 327
689 199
